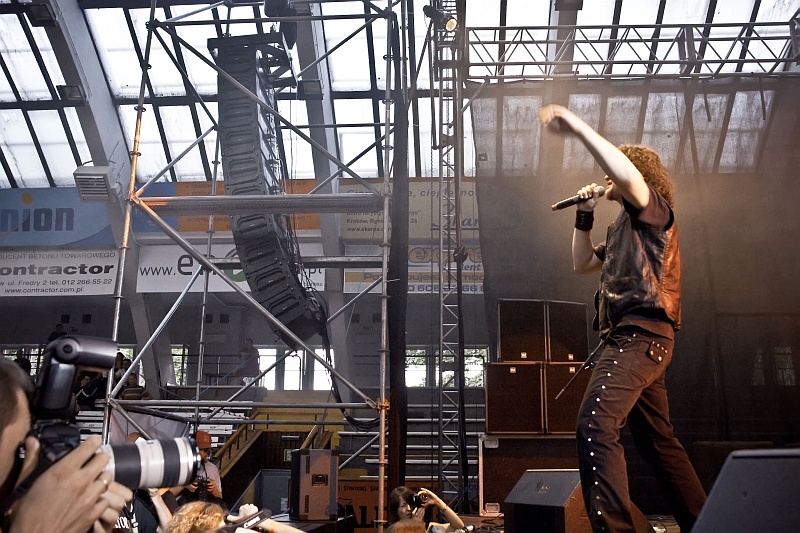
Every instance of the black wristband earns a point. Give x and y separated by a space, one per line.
584 220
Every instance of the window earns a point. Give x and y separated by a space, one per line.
422 368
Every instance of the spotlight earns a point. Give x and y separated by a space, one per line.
448 22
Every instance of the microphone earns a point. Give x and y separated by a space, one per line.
575 200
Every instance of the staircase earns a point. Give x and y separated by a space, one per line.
422 456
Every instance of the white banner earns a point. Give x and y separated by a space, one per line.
423 271
168 268
58 273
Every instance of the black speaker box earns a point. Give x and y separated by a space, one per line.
568 335
549 501
756 491
541 330
521 330
560 415
514 398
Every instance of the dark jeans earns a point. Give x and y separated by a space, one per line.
627 385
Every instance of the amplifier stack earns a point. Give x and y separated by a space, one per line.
541 345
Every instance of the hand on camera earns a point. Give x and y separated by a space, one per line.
74 494
430 499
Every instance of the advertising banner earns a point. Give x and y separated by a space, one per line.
58 273
423 207
423 272
48 218
168 268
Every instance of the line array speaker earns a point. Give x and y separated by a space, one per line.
253 165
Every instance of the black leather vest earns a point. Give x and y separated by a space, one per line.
641 275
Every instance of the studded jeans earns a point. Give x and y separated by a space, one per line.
627 385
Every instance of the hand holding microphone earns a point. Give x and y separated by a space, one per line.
587 193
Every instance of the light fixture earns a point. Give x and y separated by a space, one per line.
447 22
95 184
40 15
309 89
71 93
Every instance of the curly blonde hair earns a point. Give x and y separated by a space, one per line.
196 517
653 171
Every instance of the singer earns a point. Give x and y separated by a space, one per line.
637 314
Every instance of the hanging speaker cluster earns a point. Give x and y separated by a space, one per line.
253 165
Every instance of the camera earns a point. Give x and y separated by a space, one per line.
138 465
417 500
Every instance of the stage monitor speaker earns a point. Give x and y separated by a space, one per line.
514 398
549 500
313 490
560 415
521 330
756 490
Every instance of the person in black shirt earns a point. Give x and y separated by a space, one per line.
638 312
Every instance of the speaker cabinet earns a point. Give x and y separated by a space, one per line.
541 330
514 398
560 415
521 330
503 459
756 490
314 484
568 337
550 499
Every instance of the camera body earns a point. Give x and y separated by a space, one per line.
143 464
418 500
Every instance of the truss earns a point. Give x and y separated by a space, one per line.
623 52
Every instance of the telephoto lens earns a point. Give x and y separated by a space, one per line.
153 463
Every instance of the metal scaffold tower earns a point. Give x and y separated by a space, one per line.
446 57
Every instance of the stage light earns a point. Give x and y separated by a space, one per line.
445 21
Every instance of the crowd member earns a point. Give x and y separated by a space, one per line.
197 517
248 361
403 505
92 387
56 333
207 486
24 363
74 495
638 312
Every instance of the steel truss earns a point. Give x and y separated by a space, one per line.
624 52
154 208
446 58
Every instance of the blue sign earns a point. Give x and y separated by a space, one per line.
52 217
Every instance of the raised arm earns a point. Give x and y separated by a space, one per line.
622 173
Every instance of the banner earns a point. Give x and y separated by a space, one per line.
168 268
423 206
58 273
423 272
48 218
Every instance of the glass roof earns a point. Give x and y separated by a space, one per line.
42 142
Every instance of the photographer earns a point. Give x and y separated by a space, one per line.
74 495
207 486
407 504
